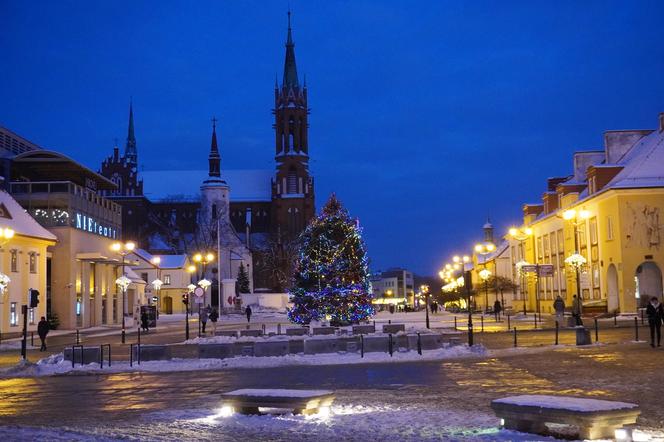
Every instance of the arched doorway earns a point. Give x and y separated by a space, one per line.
612 299
648 283
167 305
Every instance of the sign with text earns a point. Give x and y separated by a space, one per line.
541 270
89 224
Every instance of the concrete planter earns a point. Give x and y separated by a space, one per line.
297 331
271 348
152 352
215 351
315 346
394 328
363 329
376 344
254 333
324 330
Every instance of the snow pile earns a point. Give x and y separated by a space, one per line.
56 364
565 403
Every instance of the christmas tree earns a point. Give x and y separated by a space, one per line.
331 280
242 283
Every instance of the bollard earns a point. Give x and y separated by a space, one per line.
389 321
263 328
514 337
362 345
389 346
278 329
32 339
78 337
419 344
636 329
482 322
557 327
139 335
374 324
508 322
131 355
596 331
455 324
642 316
615 318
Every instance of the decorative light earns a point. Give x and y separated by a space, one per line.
204 283
191 268
520 234
519 267
198 257
7 233
191 287
209 257
485 274
4 282
156 260
123 282
576 260
157 283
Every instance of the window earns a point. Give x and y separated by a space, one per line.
144 277
609 228
33 262
13 315
14 260
167 279
292 181
593 230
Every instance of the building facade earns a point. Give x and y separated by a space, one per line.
393 286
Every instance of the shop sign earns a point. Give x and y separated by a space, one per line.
89 224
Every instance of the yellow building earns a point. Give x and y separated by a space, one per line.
22 260
609 211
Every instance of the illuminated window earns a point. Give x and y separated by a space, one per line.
167 279
33 262
13 315
14 260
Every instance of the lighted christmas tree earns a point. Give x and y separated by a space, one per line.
331 280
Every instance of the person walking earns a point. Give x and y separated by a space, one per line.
214 316
497 308
655 313
144 321
204 316
247 311
559 307
43 328
576 310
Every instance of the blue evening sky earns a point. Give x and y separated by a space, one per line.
425 116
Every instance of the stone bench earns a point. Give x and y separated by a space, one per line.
297 331
323 330
89 355
248 401
595 419
394 328
363 329
152 353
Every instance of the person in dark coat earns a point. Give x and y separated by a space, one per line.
497 308
655 313
576 310
144 322
559 307
204 315
43 328
247 311
214 316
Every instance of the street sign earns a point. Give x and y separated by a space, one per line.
529 268
199 292
546 270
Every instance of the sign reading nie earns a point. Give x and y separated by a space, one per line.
89 224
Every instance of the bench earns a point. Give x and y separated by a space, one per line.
248 401
595 419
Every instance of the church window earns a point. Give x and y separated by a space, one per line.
292 181
214 211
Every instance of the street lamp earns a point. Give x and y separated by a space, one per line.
576 260
425 289
460 264
484 249
204 259
187 299
123 249
157 283
521 235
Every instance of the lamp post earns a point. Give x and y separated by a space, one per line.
425 289
157 283
6 234
576 260
123 249
521 235
460 264
187 300
484 249
204 259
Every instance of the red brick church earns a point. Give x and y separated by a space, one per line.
163 210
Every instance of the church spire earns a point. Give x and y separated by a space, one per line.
131 153
214 159
290 69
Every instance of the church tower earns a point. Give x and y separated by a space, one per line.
292 187
131 154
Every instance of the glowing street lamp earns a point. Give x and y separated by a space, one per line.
123 249
460 264
425 289
484 249
521 235
576 260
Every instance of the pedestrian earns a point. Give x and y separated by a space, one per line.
247 311
144 321
576 310
214 316
203 317
43 328
655 313
559 307
497 308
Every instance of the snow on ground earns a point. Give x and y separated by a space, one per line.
55 364
344 422
563 402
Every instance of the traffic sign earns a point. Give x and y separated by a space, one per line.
199 292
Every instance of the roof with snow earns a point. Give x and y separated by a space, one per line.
643 164
13 216
167 261
185 185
